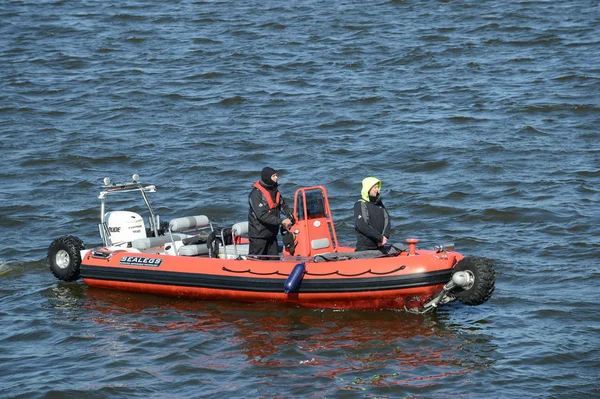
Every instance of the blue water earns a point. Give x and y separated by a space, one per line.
480 117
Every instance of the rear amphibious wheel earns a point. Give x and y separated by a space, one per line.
481 272
64 257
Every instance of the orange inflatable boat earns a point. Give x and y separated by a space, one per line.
188 257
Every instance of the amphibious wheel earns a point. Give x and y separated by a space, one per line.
65 258
483 280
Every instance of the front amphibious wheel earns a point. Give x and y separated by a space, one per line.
64 257
481 272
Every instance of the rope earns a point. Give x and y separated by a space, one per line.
337 272
391 271
249 271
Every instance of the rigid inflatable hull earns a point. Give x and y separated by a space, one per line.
344 284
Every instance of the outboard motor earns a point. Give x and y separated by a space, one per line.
123 227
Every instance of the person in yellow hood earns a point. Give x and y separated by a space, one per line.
371 219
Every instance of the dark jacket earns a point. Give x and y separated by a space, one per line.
264 222
372 222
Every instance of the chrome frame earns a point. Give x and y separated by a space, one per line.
115 188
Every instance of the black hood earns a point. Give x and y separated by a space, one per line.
265 177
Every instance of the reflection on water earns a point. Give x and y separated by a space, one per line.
355 350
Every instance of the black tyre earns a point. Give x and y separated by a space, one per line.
484 280
65 258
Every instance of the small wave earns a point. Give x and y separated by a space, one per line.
16 109
572 77
273 25
395 61
43 91
435 38
531 129
440 210
492 147
74 63
588 173
175 96
341 123
208 75
462 119
589 136
105 50
135 39
539 41
496 27
456 195
81 160
22 83
582 44
453 51
520 215
69 183
163 20
491 26
38 162
127 17
419 55
206 21
369 99
523 59
353 65
233 100
342 152
53 30
354 28
4 268
427 166
297 82
126 108
206 40
544 108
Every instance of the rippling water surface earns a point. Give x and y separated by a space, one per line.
481 118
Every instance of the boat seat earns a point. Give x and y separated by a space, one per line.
189 224
320 243
237 249
193 250
153 242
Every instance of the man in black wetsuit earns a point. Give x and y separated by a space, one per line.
264 216
371 219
